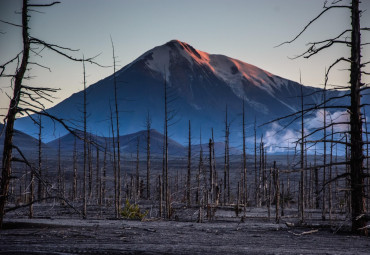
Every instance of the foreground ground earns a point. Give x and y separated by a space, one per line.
255 235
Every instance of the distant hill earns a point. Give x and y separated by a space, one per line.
25 142
128 143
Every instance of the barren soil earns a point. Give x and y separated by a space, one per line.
224 235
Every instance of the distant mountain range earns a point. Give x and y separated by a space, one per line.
201 86
129 143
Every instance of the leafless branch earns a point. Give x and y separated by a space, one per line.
312 21
37 64
43 5
9 23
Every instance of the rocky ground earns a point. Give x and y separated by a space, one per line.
67 233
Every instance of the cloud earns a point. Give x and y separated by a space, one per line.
278 139
337 117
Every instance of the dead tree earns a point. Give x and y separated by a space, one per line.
74 189
32 195
117 130
324 164
226 162
137 191
200 170
40 186
331 174
84 190
367 159
27 100
245 190
301 191
277 193
188 177
97 178
160 188
59 178
165 178
104 172
116 206
211 172
356 174
215 189
148 123
90 168
262 174
256 187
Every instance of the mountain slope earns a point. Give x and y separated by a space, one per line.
128 143
201 85
26 143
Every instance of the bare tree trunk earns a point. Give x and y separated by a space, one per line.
118 136
277 193
200 170
40 187
255 163
137 191
269 198
245 189
214 162
84 208
148 125
104 173
237 199
13 108
301 205
166 184
90 175
357 156
262 178
288 169
74 191
32 195
367 159
188 180
331 174
211 177
98 177
348 182
59 185
227 163
116 208
324 163
160 196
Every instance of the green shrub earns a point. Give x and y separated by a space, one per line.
132 212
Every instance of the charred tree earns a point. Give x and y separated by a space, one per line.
256 188
25 99
245 190
351 38
74 188
40 184
137 183
118 136
301 191
84 189
116 206
148 123
188 177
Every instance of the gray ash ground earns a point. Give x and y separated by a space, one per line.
67 233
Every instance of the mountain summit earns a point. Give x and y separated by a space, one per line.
201 86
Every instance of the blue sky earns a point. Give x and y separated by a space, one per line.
244 29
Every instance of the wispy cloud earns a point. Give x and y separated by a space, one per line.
278 139
337 117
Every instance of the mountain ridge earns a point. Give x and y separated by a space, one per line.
203 85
